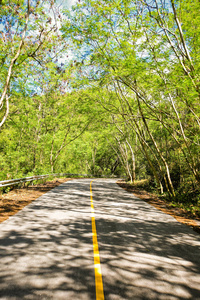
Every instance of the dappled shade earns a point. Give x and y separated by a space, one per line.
46 249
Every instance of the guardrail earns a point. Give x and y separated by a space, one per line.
11 182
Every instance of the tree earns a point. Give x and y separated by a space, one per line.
137 49
28 30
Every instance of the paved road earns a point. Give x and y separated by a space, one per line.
46 250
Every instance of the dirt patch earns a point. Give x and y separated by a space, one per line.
179 214
17 199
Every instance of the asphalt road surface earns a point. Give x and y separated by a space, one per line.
46 250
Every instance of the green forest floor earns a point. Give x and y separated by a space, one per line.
184 213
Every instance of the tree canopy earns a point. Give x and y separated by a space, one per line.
102 87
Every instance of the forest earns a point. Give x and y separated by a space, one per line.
103 88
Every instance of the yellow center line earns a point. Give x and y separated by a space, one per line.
97 265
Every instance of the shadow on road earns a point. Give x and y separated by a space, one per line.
46 250
145 254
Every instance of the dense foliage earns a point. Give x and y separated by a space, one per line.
105 87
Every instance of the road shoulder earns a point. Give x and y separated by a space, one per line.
17 199
179 214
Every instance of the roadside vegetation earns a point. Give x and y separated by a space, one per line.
186 205
103 87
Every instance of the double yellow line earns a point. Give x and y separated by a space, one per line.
97 265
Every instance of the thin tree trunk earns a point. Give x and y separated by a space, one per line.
138 132
13 61
133 161
157 149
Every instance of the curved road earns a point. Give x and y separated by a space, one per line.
46 250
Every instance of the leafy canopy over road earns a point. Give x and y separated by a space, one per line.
109 87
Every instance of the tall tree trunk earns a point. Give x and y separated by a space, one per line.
10 68
139 134
169 183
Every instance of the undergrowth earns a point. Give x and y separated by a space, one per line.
187 196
